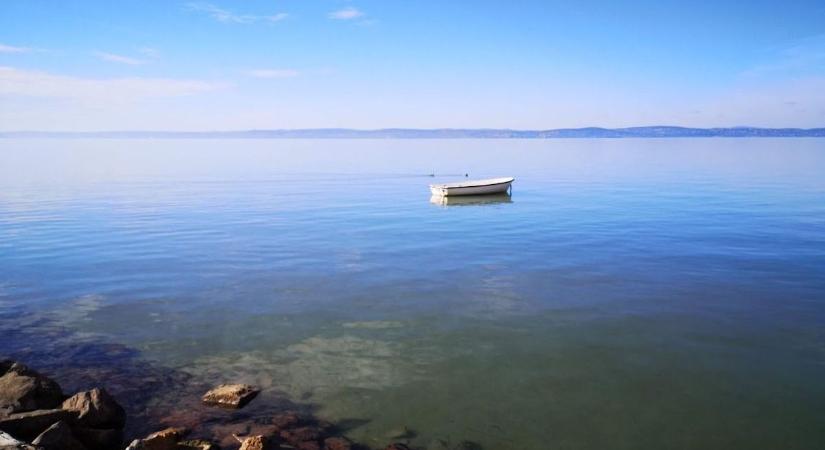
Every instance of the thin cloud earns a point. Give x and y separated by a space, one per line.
277 17
801 56
348 13
31 83
273 73
111 57
226 16
12 49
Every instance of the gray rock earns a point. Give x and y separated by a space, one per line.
58 437
23 389
28 425
96 409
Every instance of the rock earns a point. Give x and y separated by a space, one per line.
58 437
258 443
167 439
96 409
397 446
337 443
169 433
309 445
297 435
9 443
287 420
23 389
28 425
99 438
197 444
230 395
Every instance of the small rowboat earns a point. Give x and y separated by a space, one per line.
476 187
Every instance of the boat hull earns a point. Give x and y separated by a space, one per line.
485 189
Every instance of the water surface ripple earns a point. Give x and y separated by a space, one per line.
631 294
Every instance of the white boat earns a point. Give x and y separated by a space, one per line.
475 187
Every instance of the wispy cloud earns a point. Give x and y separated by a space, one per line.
31 83
276 17
12 49
111 57
273 73
800 56
348 13
226 16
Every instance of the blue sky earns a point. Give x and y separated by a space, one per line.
219 65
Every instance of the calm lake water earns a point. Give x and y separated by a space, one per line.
631 294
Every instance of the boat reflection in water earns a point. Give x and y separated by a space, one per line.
466 200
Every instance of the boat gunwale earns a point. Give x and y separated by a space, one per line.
476 183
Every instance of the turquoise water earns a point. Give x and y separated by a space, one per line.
630 294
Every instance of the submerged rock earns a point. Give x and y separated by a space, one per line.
23 389
337 443
296 436
397 446
196 444
58 437
28 425
287 420
230 395
96 409
309 445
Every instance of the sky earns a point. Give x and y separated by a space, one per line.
274 64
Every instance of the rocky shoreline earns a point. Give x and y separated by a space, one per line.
36 414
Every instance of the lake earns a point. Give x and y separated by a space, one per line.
631 293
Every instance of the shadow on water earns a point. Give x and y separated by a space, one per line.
468 200
153 396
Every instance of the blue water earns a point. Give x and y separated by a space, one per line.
630 294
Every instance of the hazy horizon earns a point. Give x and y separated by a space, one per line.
6 133
224 65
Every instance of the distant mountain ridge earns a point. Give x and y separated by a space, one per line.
437 133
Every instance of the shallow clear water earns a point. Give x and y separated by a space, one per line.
631 294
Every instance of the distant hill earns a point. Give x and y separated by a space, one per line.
439 133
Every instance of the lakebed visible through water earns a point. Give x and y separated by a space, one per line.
652 293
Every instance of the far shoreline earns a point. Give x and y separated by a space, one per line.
646 132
